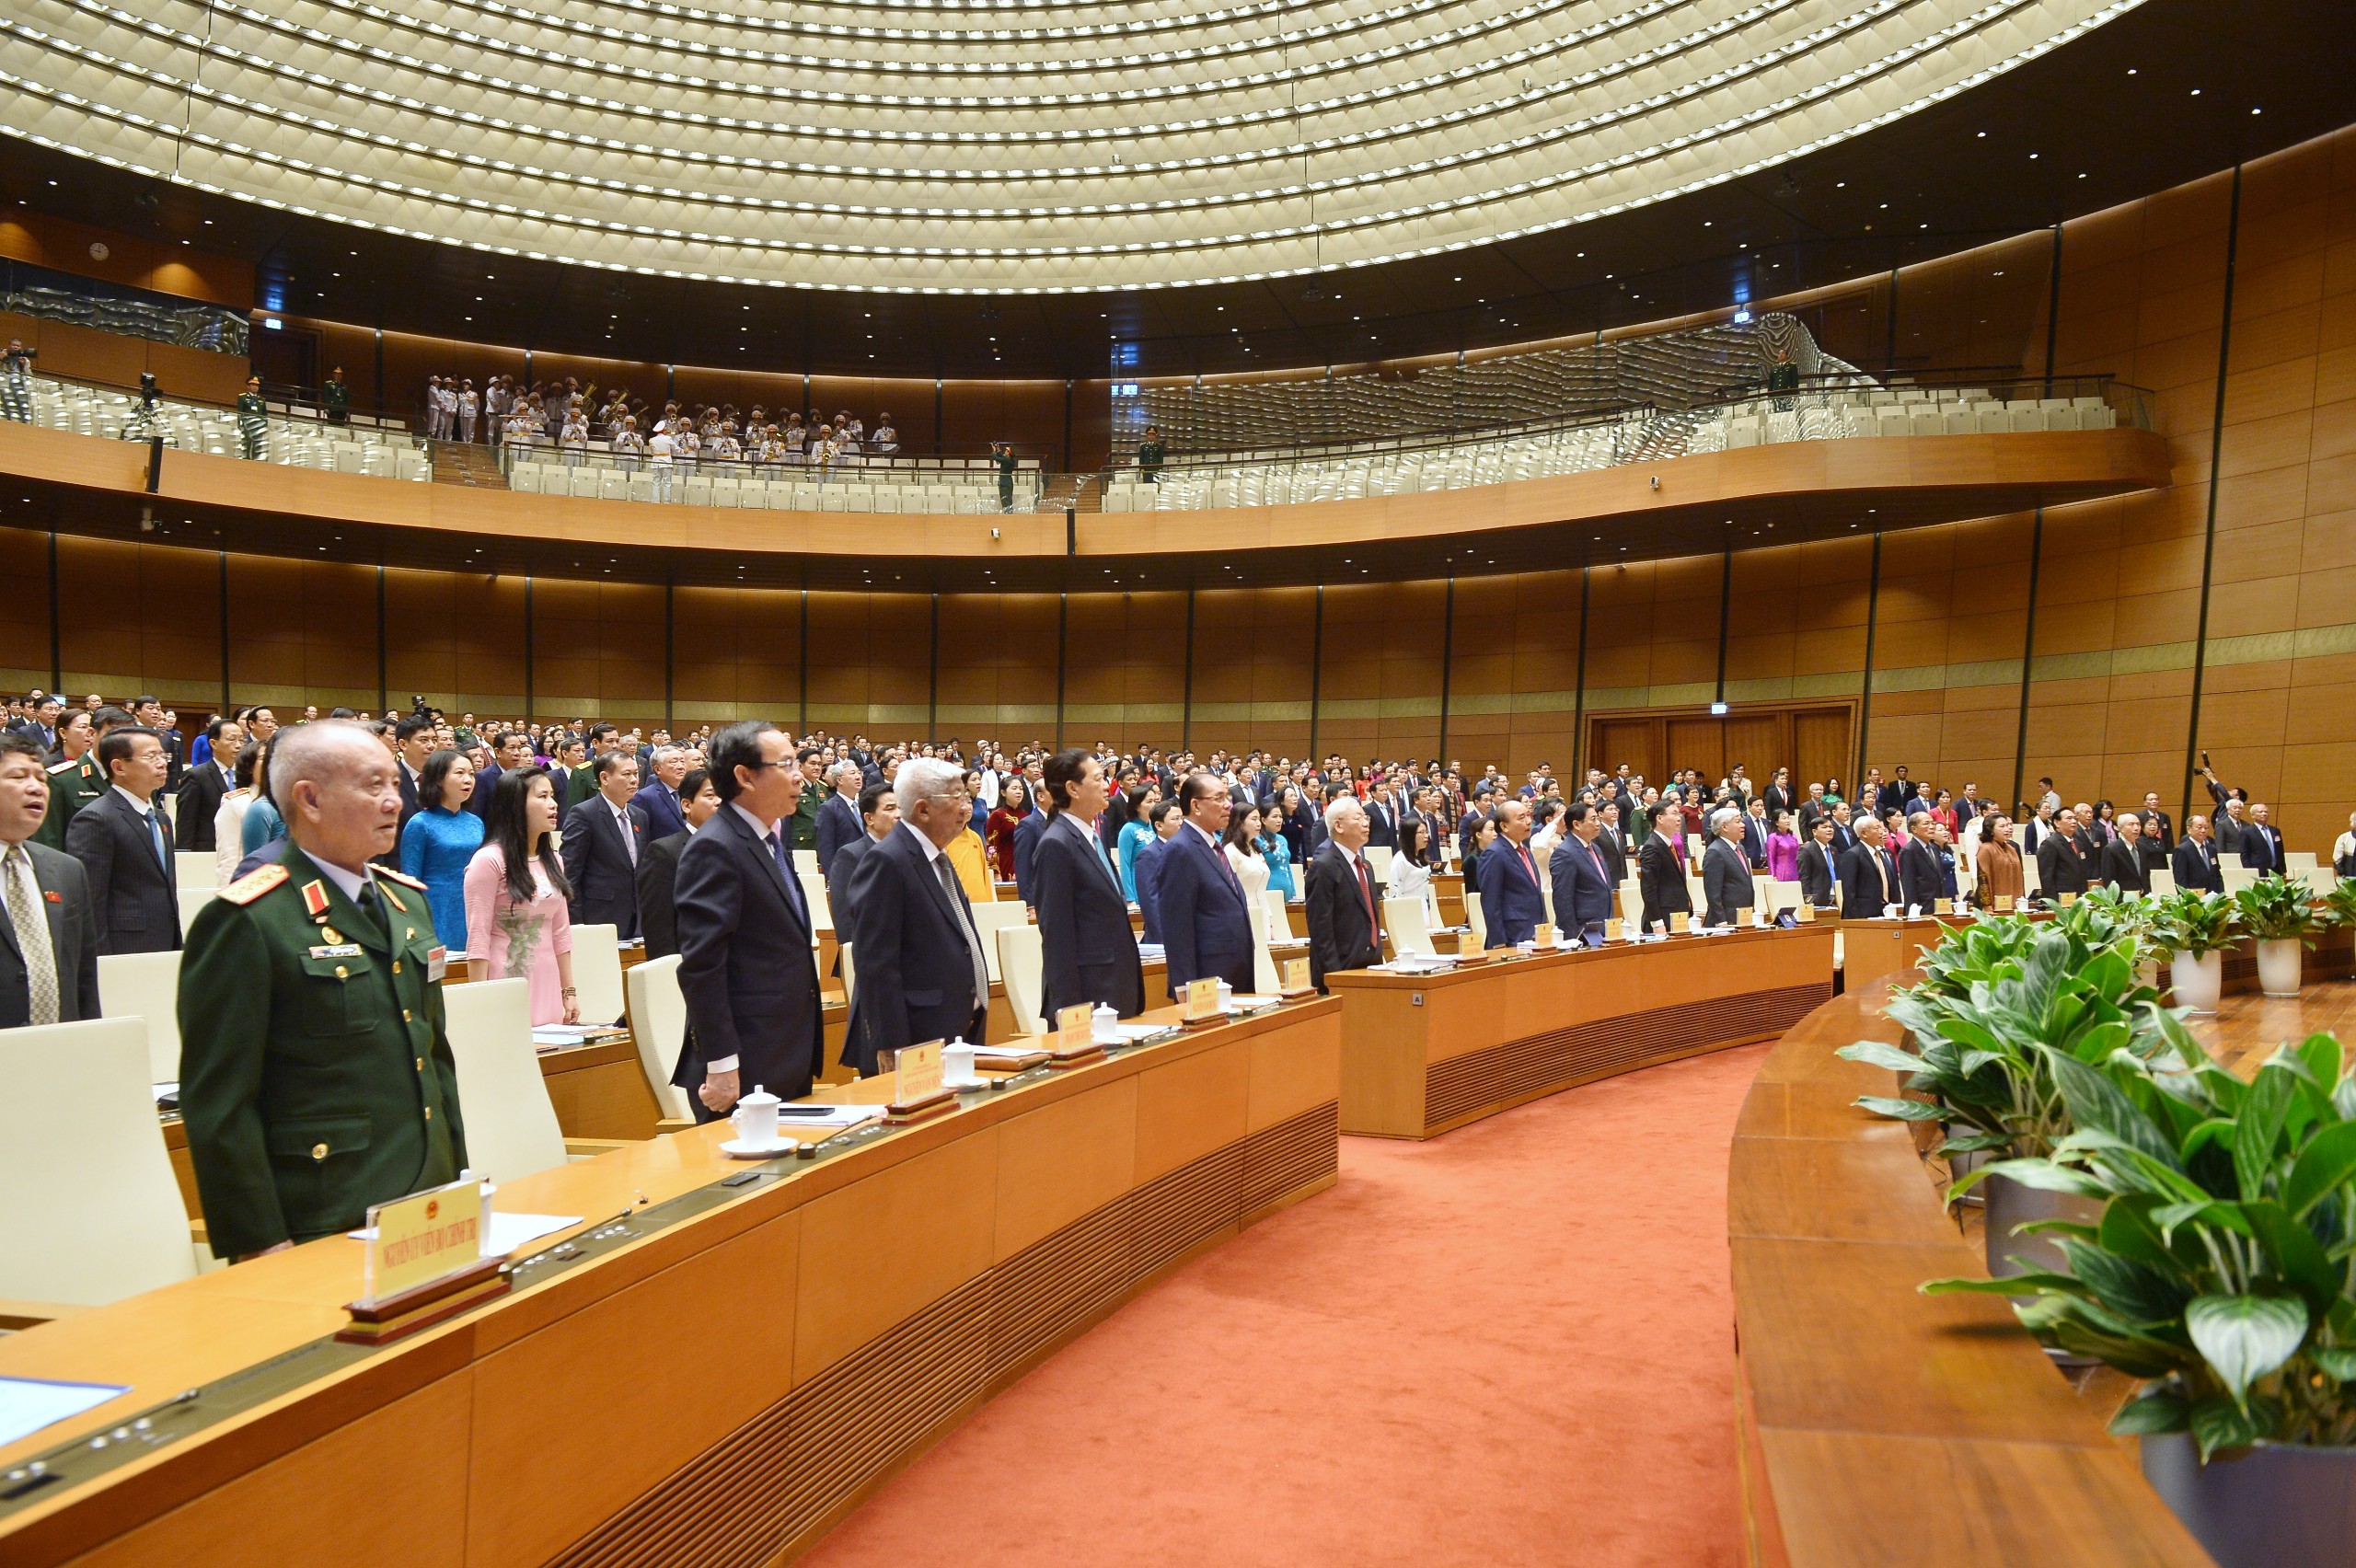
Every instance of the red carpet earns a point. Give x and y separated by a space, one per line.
1511 1346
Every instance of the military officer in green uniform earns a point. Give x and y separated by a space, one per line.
76 780
253 420
316 1071
1151 453
335 397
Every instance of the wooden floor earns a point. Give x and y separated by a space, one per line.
2246 1028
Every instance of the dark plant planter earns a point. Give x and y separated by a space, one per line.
2010 1204
2272 1505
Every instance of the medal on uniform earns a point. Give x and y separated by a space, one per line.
314 898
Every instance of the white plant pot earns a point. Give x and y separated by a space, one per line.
2198 982
2280 961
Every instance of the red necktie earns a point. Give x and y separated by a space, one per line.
1365 888
1528 864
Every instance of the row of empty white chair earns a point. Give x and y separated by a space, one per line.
290 439
607 481
1646 437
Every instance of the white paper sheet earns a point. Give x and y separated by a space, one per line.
28 1404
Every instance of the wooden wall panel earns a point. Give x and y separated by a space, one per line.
1378 681
736 655
1126 669
25 611
871 661
997 666
457 639
135 618
1253 681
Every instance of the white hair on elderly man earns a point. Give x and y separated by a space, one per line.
926 779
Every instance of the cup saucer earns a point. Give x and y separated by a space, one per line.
965 1086
738 1149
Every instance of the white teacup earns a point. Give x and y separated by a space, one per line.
756 1116
957 1062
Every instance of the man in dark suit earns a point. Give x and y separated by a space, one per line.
604 837
839 817
1869 879
201 788
1660 867
745 968
513 750
1345 910
2062 858
1087 953
1845 828
1778 793
1026 854
42 725
2159 833
1167 819
659 801
125 848
879 813
1920 873
2261 845
1581 873
921 973
1755 829
1207 923
1821 866
1727 888
2123 861
1511 905
2195 860
1891 797
582 782
658 867
413 740
49 935
1382 817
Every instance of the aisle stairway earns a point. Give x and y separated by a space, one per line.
461 462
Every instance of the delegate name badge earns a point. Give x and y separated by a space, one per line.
1807 913
437 963
1073 1026
1680 922
423 1237
1612 928
1202 999
2003 903
915 1073
1543 937
1296 975
1943 906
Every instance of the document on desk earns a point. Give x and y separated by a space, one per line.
505 1233
28 1404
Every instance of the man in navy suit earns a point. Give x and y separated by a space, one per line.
2195 859
603 836
838 818
1869 877
2261 845
513 750
659 802
1511 905
1165 819
1026 854
1087 953
1727 887
1581 873
745 966
1205 922
922 974
1382 817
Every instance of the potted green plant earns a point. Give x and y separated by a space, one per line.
2281 914
2108 914
2218 1274
2195 927
1983 1061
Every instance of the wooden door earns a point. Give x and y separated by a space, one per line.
1698 743
1821 749
1623 740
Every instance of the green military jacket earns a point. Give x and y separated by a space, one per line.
72 786
579 785
805 816
316 1071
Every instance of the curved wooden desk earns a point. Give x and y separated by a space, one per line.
1881 1426
1423 1053
722 1382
